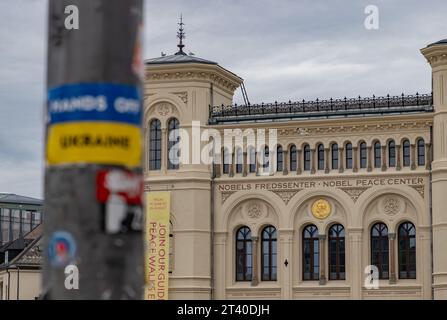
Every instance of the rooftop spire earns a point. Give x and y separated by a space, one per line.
181 36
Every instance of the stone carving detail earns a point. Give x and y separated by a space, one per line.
182 95
354 193
223 81
164 109
391 205
254 211
292 132
420 189
226 195
287 195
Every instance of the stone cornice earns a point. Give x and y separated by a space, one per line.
436 55
308 129
193 72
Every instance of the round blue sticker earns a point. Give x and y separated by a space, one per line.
61 249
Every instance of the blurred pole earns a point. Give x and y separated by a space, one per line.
93 213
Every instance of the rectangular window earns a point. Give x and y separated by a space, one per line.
6 225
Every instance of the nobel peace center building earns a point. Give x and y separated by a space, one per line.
325 199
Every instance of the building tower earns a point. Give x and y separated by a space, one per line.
436 55
178 91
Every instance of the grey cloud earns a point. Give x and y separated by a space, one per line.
284 49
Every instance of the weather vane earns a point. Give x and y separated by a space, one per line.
181 35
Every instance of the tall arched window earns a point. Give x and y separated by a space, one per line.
421 152
406 153
334 156
279 159
268 254
226 161
337 252
348 152
306 157
311 253
252 159
244 263
407 251
293 158
363 155
391 153
155 145
173 144
379 249
320 157
266 159
239 160
377 155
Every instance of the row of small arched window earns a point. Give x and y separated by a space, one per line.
393 157
379 255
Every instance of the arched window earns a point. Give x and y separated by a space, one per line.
244 263
348 155
377 155
268 254
306 157
363 155
173 144
226 161
320 157
293 158
334 153
379 249
265 159
155 145
252 159
391 153
279 159
421 152
406 153
239 160
311 253
337 252
407 251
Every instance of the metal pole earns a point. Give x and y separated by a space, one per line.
93 128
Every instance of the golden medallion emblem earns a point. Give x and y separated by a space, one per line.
321 209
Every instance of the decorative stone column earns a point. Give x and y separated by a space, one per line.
322 244
341 159
254 250
298 161
355 155
436 55
369 156
285 169
326 152
384 166
413 156
398 157
164 150
232 164
392 257
428 156
244 164
312 161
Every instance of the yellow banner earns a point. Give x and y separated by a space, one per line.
94 142
157 245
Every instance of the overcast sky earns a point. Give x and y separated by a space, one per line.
300 49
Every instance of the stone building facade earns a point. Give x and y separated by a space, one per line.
348 184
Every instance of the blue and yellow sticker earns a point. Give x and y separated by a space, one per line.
94 123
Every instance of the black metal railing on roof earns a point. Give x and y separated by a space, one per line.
322 108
